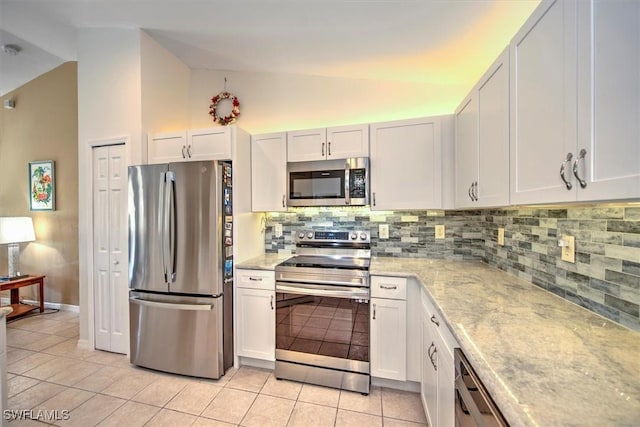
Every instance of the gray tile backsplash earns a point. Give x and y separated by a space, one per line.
605 277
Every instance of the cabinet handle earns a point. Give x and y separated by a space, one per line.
374 198
271 302
435 350
475 191
255 279
434 320
184 156
581 156
388 287
374 311
429 350
469 191
323 148
189 151
283 205
562 167
329 148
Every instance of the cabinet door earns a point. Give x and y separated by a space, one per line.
269 172
406 164
167 147
446 392
348 141
466 148
493 135
307 145
389 339
609 99
209 144
429 381
256 323
543 104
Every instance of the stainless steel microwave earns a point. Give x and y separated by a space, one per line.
328 183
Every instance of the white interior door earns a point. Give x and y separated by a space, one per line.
110 248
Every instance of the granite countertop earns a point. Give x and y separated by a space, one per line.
544 360
264 262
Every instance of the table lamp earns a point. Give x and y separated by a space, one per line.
13 231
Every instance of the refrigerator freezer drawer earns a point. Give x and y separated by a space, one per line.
183 336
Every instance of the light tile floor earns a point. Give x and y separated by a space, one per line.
47 371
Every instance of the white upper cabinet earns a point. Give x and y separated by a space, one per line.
608 100
466 149
406 164
340 142
198 144
269 172
492 185
543 104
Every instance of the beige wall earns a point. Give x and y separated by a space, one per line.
44 126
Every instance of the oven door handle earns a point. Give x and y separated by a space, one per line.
331 283
325 291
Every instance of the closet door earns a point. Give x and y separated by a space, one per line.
110 248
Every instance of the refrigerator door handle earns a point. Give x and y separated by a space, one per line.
162 224
171 224
170 306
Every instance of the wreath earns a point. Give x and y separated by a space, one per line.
235 111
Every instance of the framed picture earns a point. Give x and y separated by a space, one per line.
42 193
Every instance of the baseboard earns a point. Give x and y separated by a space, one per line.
256 363
397 385
51 305
84 345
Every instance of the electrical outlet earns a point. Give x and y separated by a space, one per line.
383 231
568 248
439 231
501 236
278 230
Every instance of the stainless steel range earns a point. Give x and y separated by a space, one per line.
322 310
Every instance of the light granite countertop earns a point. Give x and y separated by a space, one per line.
544 360
264 262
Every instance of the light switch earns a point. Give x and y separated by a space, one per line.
278 230
383 231
439 231
568 244
501 236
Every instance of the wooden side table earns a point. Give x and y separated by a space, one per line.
14 286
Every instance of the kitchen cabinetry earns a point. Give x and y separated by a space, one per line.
482 140
608 100
339 142
437 386
406 164
268 172
575 109
389 328
256 315
543 104
192 145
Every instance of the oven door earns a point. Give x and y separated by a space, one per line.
322 335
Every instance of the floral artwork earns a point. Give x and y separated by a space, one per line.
41 186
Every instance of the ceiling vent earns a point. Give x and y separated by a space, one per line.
11 49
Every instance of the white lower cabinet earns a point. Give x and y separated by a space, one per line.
437 385
256 314
388 328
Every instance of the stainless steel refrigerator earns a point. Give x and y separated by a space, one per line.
181 267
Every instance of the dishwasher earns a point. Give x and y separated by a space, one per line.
474 407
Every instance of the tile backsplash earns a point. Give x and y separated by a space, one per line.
605 277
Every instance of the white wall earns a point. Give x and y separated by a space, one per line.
109 107
165 88
271 102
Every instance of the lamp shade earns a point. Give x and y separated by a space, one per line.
16 230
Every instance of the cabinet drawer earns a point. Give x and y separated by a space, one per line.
389 287
256 279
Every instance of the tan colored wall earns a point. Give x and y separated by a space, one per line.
44 126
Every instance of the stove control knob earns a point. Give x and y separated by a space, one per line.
310 235
301 235
353 236
363 236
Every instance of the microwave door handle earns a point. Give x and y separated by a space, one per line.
347 193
